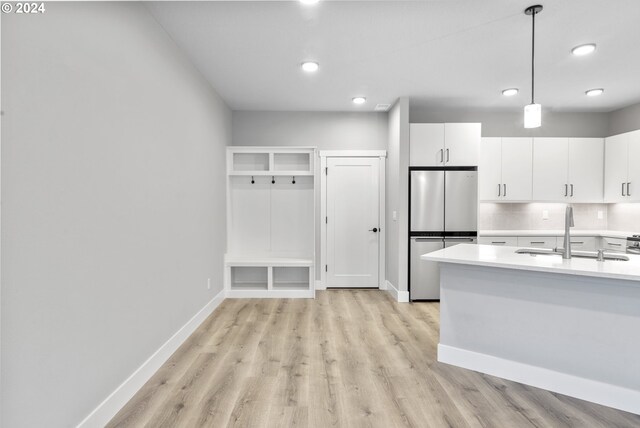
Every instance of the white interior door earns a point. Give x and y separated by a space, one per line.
353 222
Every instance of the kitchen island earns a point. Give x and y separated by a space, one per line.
568 326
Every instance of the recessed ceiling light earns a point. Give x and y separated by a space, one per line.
359 100
510 92
310 66
583 49
594 92
308 1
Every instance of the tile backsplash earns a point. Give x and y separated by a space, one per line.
624 217
531 216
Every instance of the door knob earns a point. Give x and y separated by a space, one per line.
375 229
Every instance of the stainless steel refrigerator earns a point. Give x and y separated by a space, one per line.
443 211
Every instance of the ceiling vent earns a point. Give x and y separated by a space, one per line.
382 107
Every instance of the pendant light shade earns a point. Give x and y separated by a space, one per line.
532 116
533 111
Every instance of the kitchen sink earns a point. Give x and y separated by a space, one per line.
579 254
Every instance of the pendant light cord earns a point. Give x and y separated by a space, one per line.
533 55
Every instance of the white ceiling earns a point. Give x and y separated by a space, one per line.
446 54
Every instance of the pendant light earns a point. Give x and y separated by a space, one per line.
533 111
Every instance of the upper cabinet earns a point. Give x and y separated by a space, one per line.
444 144
622 176
568 169
505 169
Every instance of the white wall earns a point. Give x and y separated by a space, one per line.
511 124
326 130
113 213
397 195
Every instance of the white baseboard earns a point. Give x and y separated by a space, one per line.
585 389
106 410
320 285
399 296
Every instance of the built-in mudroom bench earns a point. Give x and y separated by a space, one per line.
271 222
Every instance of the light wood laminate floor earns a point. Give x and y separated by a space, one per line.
349 358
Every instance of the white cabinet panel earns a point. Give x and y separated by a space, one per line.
550 169
586 169
461 143
517 169
633 180
616 168
537 241
490 169
511 241
613 244
426 144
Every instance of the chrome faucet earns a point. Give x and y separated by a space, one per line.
568 224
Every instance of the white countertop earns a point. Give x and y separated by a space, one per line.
506 258
574 232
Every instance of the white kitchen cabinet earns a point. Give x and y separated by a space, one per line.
613 244
510 241
505 175
622 175
461 144
586 169
444 144
581 243
426 144
568 169
537 241
550 169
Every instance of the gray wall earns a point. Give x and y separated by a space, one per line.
113 205
624 120
397 195
511 124
326 130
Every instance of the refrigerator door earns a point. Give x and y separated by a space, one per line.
424 276
427 201
461 196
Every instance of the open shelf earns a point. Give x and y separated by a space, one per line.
250 162
300 162
290 278
249 277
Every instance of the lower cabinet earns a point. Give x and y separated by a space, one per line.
613 244
508 241
537 241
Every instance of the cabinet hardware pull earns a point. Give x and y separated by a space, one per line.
499 186
614 244
572 190
505 190
566 190
441 155
537 242
629 189
498 242
622 189
577 242
447 155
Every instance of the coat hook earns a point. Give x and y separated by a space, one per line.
293 181
273 180
252 180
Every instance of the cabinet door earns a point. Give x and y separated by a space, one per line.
586 169
510 241
489 169
517 168
461 144
616 168
550 169
537 241
633 190
426 144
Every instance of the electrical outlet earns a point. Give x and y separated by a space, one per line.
395 215
545 214
208 283
600 215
